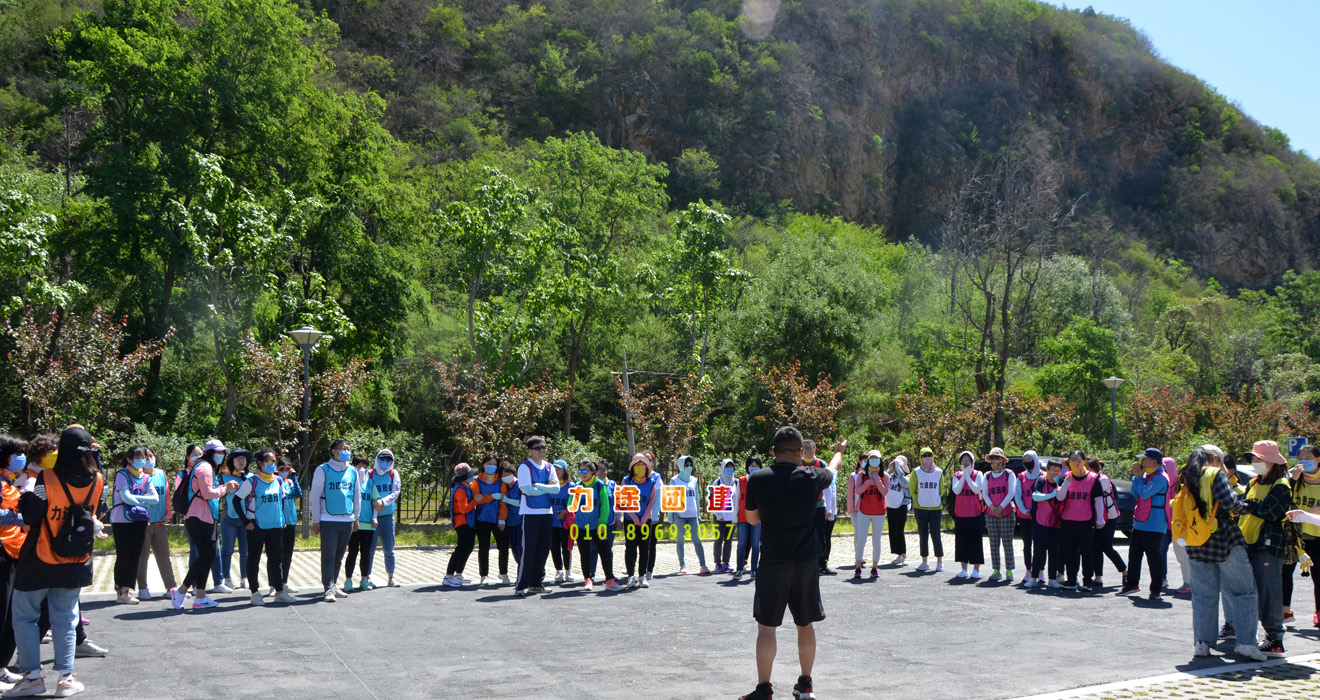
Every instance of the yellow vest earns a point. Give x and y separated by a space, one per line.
1251 524
1307 497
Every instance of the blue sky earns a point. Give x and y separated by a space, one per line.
1264 54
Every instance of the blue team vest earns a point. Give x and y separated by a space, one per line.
229 500
339 492
267 502
488 512
540 475
382 484
292 492
160 482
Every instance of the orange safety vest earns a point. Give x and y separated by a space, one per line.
11 536
57 509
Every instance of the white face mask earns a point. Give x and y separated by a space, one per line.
509 479
1260 467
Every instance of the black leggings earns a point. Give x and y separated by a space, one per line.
929 525
590 548
1102 547
655 545
287 537
559 549
1312 548
638 546
1045 551
896 519
467 540
128 548
273 542
724 534
202 535
485 531
359 546
1077 537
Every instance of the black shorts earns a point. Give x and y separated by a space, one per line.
788 584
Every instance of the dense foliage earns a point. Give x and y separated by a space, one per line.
938 222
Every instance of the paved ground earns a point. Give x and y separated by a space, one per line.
902 635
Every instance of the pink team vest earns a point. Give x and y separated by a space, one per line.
1080 504
997 488
967 504
1047 512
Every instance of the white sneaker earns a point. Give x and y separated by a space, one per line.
257 599
646 582
270 590
338 593
89 650
612 586
68 685
284 597
976 574
9 678
204 602
484 580
586 585
632 582
1251 652
961 574
939 567
144 594
177 599
504 579
392 583
568 577
559 577
1201 649
27 688
648 575
923 566
329 596
1055 584
222 588
126 598
291 590
1028 581
229 583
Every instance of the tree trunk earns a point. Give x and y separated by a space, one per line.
574 357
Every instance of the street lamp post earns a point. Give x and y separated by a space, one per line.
306 338
1113 383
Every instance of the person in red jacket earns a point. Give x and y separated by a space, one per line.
461 505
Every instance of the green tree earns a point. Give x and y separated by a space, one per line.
1078 358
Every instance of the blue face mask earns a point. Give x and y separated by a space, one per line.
268 468
685 472
344 455
151 464
139 464
490 468
752 469
18 462
728 471
217 458
1307 465
873 461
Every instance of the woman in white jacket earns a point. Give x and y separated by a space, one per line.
897 503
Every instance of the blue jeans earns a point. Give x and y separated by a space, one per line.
385 536
749 535
26 606
232 529
215 565
1233 576
686 527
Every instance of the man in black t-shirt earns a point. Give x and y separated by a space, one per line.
783 498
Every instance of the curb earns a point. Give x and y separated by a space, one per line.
1179 676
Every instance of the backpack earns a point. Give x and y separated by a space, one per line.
180 499
1189 526
78 532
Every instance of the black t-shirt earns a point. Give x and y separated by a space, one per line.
786 496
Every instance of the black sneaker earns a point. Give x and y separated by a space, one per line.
1272 648
1155 596
536 590
827 571
857 573
764 691
802 689
1126 591
1226 632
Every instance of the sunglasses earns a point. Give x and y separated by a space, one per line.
584 471
538 448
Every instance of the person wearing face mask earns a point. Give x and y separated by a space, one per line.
866 505
1269 498
638 524
204 493
537 482
232 533
1024 507
826 508
999 492
928 508
1305 478
133 494
657 519
560 542
1180 549
384 480
968 510
291 491
1045 533
362 543
13 462
156 542
897 503
510 522
487 498
594 527
688 521
1150 524
1103 546
337 499
192 454
1082 511
261 497
749 535
726 521
461 507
